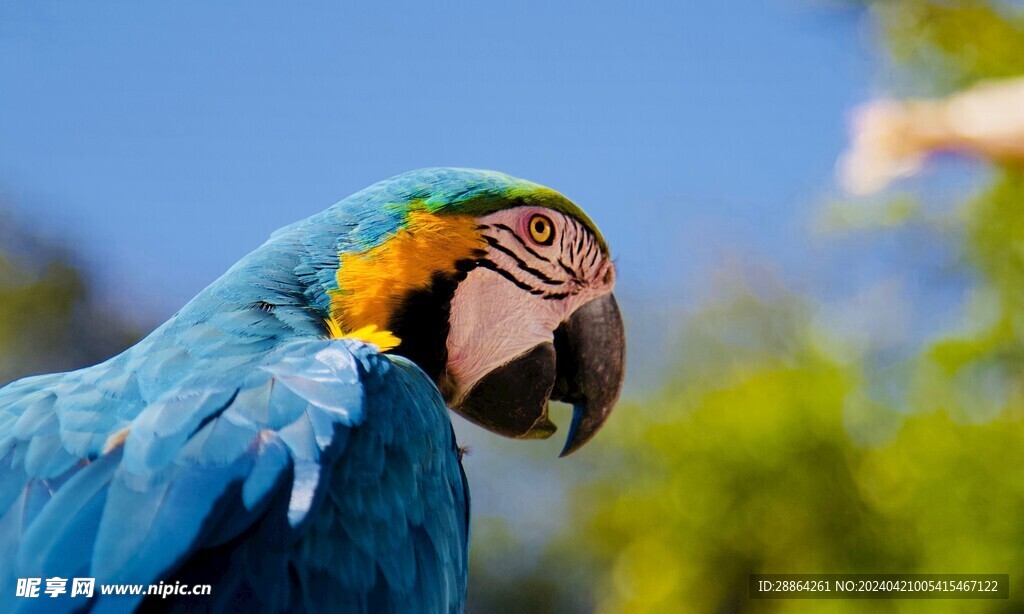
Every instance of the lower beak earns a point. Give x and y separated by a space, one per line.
585 367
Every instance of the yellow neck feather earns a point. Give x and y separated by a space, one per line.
373 283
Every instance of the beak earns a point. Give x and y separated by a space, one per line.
585 367
591 350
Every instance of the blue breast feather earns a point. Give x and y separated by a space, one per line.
288 471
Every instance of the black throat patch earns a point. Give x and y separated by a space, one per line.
422 321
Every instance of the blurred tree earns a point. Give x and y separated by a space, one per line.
943 45
746 464
48 320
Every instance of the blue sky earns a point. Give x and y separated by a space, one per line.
162 141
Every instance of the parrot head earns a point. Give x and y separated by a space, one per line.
498 288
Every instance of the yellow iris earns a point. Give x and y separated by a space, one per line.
541 230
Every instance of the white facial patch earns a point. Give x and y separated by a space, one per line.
522 291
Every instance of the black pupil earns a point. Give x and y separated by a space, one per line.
538 226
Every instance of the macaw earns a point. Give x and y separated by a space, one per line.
285 436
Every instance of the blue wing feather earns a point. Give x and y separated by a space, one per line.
325 450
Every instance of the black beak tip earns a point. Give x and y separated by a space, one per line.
586 422
571 444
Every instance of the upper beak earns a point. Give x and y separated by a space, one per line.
585 367
591 351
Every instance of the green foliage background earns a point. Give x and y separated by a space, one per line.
48 320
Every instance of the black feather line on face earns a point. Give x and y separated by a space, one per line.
556 296
515 235
551 296
561 239
523 266
597 253
568 270
488 264
580 238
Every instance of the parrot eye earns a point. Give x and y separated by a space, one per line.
542 230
